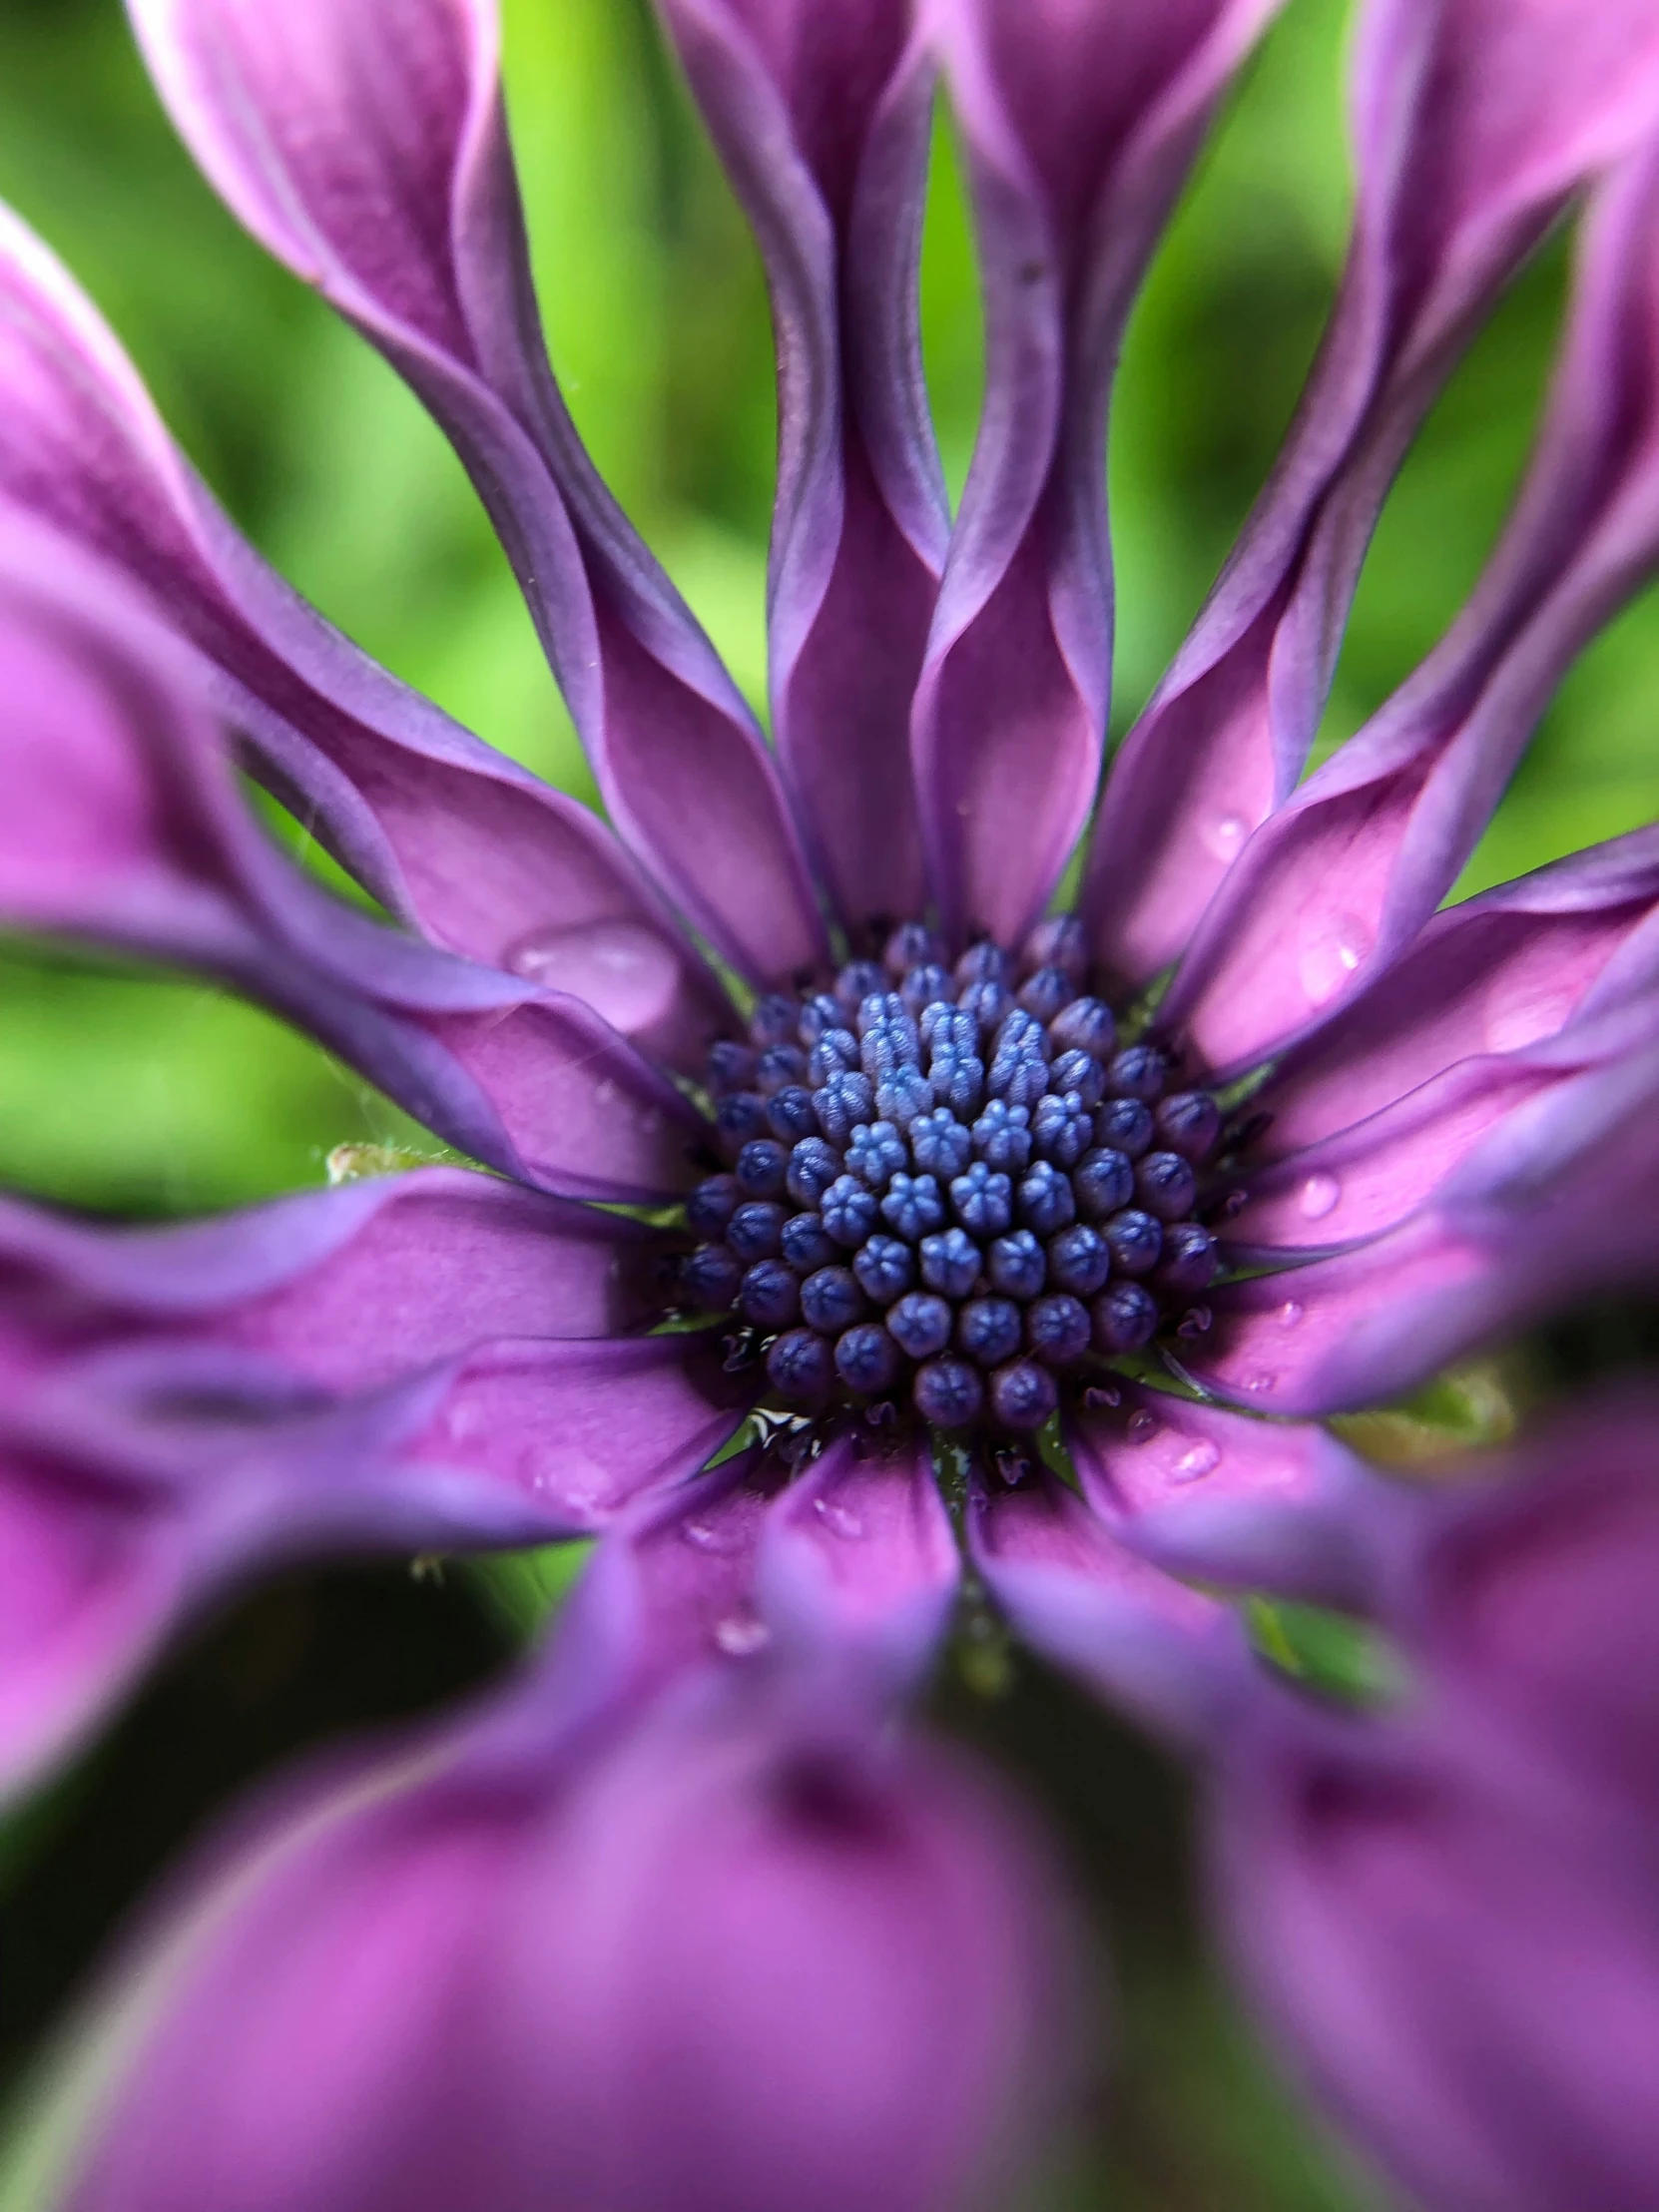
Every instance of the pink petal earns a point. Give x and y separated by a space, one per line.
364 142
1474 122
1080 124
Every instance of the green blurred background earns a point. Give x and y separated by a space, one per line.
155 1096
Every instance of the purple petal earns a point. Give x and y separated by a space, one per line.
822 116
585 1429
348 1288
364 142
128 831
858 1562
444 830
1167 1654
1080 126
1217 1498
1474 122
1492 975
710 1963
1555 1204
91 1572
1471 1984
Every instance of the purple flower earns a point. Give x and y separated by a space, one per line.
1447 1910
1255 1117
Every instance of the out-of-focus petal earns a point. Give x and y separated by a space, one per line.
822 116
1168 1654
127 830
1447 1911
1340 879
446 832
710 1961
859 1564
1213 1496
1079 124
363 142
1474 122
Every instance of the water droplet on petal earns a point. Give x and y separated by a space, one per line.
841 1520
1225 834
1258 1385
564 1474
740 1635
622 970
1290 1313
1331 949
709 1536
1143 1426
1318 1196
1196 1460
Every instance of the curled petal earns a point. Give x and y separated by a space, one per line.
363 142
446 832
822 116
858 1562
128 831
1474 122
709 1962
1080 126
1213 1496
1167 1654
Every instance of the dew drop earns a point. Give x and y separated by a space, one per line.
1318 1196
621 970
1225 834
1290 1313
1258 1385
564 1473
841 1520
1143 1426
1196 1460
740 1635
1330 951
709 1536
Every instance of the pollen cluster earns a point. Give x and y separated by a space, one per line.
948 1187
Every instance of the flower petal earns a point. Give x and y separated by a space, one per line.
1080 124
1492 975
1167 1654
858 1563
446 832
345 1289
128 831
709 1959
584 1429
364 142
1556 1203
1474 122
1210 1494
822 116
1468 1983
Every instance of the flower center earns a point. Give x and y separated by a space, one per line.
951 1187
